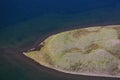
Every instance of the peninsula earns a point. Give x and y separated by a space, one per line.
92 51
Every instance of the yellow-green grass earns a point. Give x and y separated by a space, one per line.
94 49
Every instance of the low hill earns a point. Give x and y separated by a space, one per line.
87 51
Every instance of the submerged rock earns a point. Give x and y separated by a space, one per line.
92 51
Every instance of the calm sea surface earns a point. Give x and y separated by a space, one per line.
25 23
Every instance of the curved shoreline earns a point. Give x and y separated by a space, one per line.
86 73
15 58
37 44
75 73
39 69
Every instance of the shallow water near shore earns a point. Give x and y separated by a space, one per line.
18 34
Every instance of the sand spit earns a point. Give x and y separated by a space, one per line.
93 51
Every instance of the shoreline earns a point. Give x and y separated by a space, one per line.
87 73
75 73
90 74
38 42
17 57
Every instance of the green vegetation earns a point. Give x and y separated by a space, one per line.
94 49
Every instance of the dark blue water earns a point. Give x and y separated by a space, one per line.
20 19
23 22
14 11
